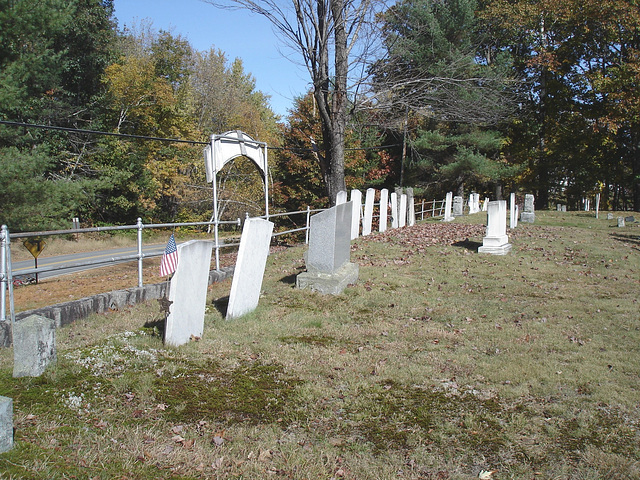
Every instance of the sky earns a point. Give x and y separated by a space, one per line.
237 33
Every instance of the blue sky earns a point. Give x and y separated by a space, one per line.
237 33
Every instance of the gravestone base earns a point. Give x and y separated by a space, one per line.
6 424
329 283
495 250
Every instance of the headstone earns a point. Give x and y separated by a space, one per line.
476 202
6 424
250 264
34 346
609 216
559 207
528 212
328 268
341 197
384 209
472 206
516 215
394 210
447 208
402 211
621 222
411 207
512 211
369 200
356 213
188 293
496 241
597 204
485 206
458 204
629 219
587 205
564 208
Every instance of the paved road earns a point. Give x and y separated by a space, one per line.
72 261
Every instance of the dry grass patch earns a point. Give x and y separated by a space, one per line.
438 364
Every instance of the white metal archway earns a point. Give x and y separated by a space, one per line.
223 149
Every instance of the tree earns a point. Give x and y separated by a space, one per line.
325 34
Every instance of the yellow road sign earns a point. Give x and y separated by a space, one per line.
34 245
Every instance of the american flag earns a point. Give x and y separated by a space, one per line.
169 258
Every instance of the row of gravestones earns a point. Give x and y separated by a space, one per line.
328 271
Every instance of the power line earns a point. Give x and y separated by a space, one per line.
160 139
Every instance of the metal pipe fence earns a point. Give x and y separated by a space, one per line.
7 274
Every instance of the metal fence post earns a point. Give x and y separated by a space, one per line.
140 227
306 240
3 274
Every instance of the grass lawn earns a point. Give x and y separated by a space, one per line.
441 363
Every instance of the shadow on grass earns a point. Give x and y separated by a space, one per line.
468 244
222 304
626 238
289 279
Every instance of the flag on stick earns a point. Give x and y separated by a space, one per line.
169 258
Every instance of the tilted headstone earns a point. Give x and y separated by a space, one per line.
496 241
384 209
6 424
341 197
528 212
367 221
447 208
512 211
394 210
356 213
402 211
250 264
458 205
188 293
328 268
34 346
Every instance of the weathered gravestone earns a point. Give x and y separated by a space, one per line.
402 211
188 293
458 206
621 222
384 209
250 264
564 208
367 221
356 213
496 242
609 216
447 208
630 219
528 212
6 424
559 207
34 346
328 268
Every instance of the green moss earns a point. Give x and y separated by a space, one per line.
253 392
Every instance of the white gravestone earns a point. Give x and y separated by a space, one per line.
356 213
394 210
472 208
476 202
188 293
411 207
559 207
34 346
447 208
6 424
621 222
369 200
485 204
250 265
341 197
402 211
609 216
564 208
458 206
517 215
384 208
512 211
597 204
496 242
328 268
528 212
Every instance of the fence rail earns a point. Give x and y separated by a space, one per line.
427 209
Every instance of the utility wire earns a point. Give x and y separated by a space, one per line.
160 139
